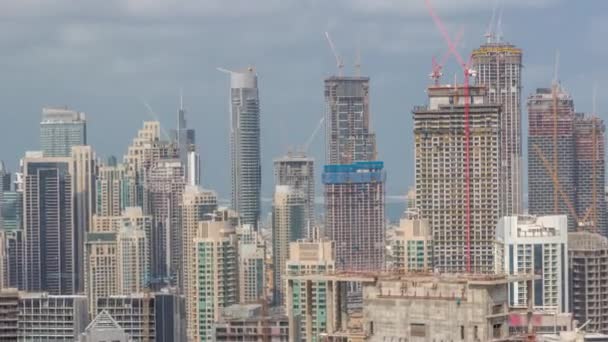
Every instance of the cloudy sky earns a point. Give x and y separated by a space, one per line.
106 57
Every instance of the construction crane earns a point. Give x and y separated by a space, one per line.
554 89
339 61
468 72
313 135
437 68
153 114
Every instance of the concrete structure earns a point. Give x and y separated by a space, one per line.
9 314
48 221
245 153
537 245
412 245
588 261
416 307
590 172
44 317
252 268
297 170
185 140
543 199
84 166
216 277
288 224
348 134
197 205
154 317
441 187
248 323
165 185
104 328
499 65
309 257
354 214
60 129
543 323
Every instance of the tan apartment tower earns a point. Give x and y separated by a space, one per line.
439 134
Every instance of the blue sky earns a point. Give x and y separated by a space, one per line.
104 57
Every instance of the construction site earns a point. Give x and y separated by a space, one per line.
414 306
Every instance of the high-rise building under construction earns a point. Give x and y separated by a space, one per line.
590 172
354 214
348 134
441 182
297 170
498 66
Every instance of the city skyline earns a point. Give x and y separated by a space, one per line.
108 104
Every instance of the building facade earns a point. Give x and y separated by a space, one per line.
44 317
551 146
252 265
537 245
165 185
355 214
588 260
60 129
348 134
309 257
498 66
48 221
298 171
288 225
84 166
197 205
412 245
216 277
441 176
245 153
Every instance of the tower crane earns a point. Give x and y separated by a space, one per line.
339 61
468 72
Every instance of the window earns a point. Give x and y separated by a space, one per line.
418 330
462 332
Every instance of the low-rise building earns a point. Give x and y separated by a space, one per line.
250 323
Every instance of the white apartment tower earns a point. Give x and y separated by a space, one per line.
536 245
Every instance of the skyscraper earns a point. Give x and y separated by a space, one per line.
551 145
348 134
84 174
288 225
197 205
245 145
298 171
60 129
164 187
184 139
117 255
441 188
590 172
112 189
354 214
144 152
498 65
48 221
